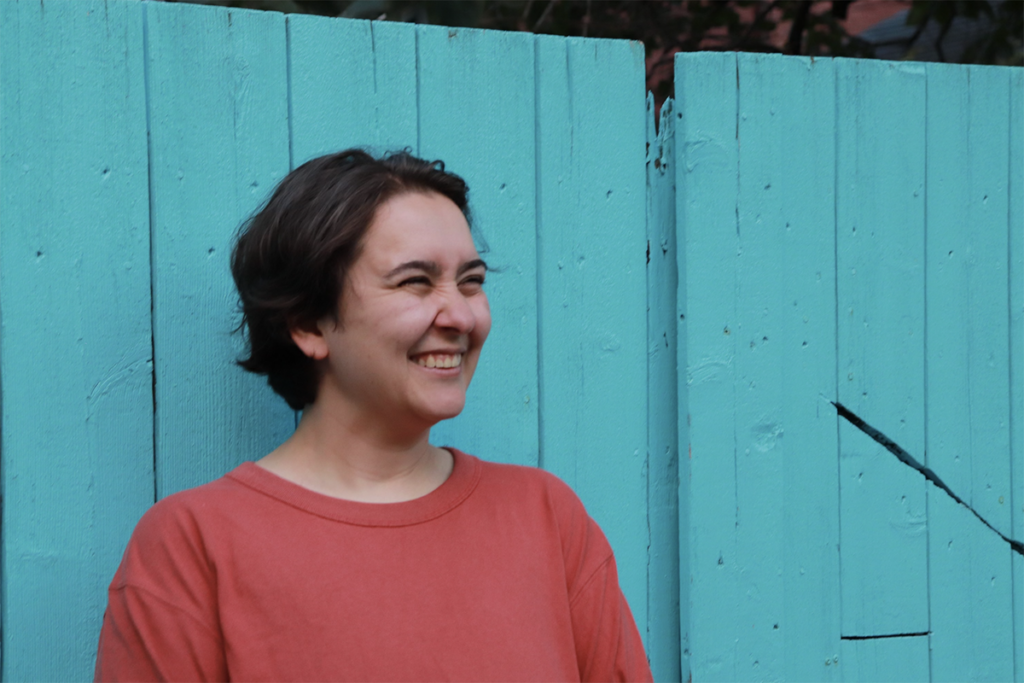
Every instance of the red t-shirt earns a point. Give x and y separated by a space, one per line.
497 575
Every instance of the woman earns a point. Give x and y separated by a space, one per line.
357 550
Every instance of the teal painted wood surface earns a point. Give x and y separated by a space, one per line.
591 280
880 221
1015 239
76 368
786 489
708 165
488 139
663 607
773 361
880 168
218 144
682 404
888 660
972 616
968 378
353 84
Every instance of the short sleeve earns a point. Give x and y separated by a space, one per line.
608 645
161 622
145 638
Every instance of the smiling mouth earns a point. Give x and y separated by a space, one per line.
440 360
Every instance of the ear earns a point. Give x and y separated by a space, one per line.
310 342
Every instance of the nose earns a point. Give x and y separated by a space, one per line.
454 312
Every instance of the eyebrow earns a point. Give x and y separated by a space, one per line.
470 265
431 267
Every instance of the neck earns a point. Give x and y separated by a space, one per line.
348 456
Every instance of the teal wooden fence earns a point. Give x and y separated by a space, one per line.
679 309
850 232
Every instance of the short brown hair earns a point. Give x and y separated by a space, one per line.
290 258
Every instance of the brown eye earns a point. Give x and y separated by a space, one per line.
417 280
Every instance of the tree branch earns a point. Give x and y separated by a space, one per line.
941 37
544 15
753 25
526 13
796 31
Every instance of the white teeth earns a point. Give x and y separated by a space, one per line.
440 360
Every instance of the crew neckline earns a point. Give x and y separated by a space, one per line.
456 488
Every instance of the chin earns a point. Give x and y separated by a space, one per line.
445 410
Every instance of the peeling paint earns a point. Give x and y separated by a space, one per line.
766 435
708 369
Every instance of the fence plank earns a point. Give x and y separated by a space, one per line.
883 528
880 291
787 459
353 84
592 243
971 601
219 143
1016 267
885 660
706 221
662 400
74 291
489 140
968 377
684 495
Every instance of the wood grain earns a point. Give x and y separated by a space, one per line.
76 365
759 381
352 84
787 451
889 660
880 215
663 605
707 169
218 145
968 378
1015 240
592 251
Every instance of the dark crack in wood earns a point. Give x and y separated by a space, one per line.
887 635
909 461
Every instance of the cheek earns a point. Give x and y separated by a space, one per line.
404 322
482 313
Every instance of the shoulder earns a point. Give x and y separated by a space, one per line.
178 530
185 508
525 483
162 610
532 493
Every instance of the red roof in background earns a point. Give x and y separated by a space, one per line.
861 15
864 14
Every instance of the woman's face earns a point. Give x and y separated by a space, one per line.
413 316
